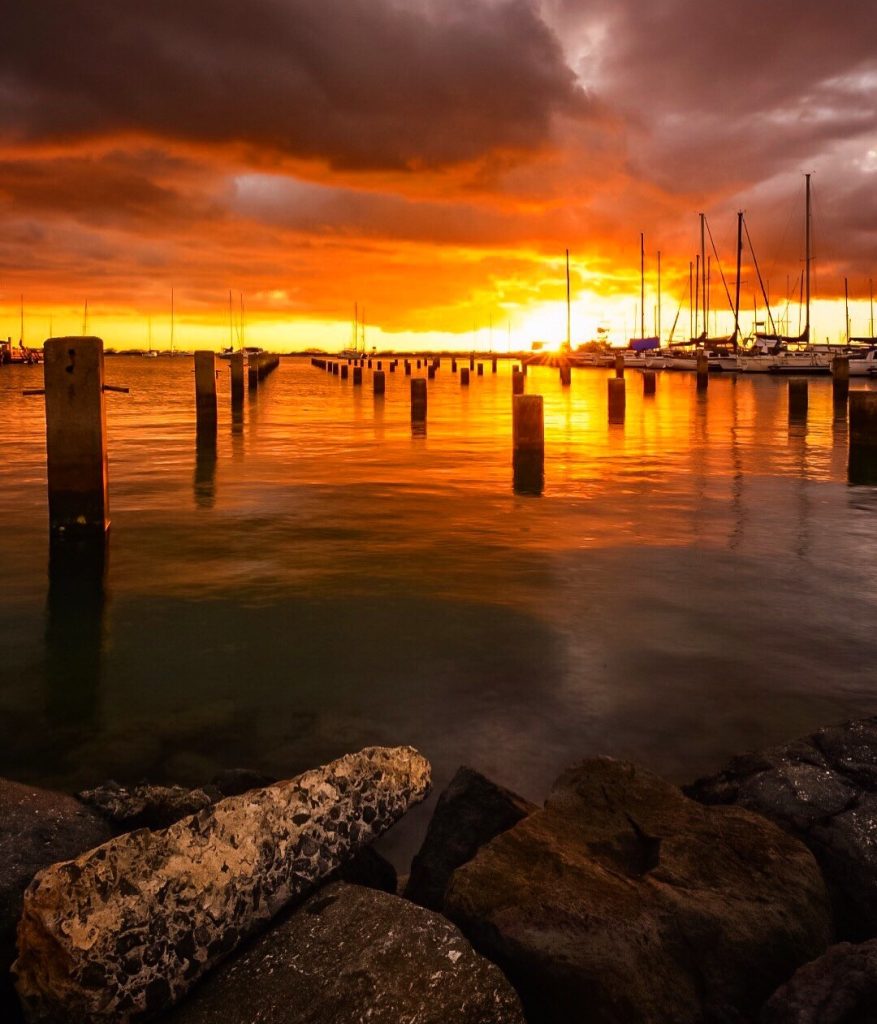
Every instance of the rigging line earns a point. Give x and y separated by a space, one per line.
758 274
719 262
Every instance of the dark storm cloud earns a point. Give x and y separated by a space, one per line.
362 84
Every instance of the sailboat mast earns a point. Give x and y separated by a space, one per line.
847 307
230 325
737 286
172 321
658 325
703 272
568 314
642 285
871 291
85 319
21 324
807 256
696 298
362 329
690 300
355 327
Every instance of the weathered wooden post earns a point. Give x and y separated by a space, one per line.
253 372
453 366
650 382
528 442
418 364
236 365
369 364
380 364
703 371
336 370
565 374
205 392
379 382
464 377
798 399
345 371
840 378
517 382
357 376
863 419
76 436
430 371
524 369
619 364
407 368
418 400
393 366
493 365
471 363
617 400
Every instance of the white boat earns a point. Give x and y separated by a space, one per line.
864 363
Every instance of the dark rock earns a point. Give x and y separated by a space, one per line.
128 928
838 988
368 868
235 781
469 813
37 828
624 901
350 955
823 790
145 806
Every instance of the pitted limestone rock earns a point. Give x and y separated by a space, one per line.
124 930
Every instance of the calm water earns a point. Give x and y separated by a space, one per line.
700 581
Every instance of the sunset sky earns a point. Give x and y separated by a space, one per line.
430 160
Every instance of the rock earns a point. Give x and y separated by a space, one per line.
838 988
37 828
145 806
234 781
823 790
469 812
350 955
126 929
368 868
624 901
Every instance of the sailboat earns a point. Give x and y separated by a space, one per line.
642 343
354 351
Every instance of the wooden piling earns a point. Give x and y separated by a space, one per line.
345 371
528 423
453 366
357 376
76 445
253 372
517 382
481 369
336 370
430 372
418 400
703 371
236 365
650 382
471 363
565 375
798 399
464 376
205 392
379 382
393 366
863 418
619 364
407 368
493 365
617 399
840 378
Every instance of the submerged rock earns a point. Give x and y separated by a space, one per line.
235 781
350 955
823 790
470 811
37 828
838 988
145 806
126 929
624 901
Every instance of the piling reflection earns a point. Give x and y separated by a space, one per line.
862 465
528 472
75 630
205 469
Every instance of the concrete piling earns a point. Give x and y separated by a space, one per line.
517 382
798 399
863 419
236 365
464 377
650 382
617 400
76 436
205 392
379 382
703 371
619 364
418 400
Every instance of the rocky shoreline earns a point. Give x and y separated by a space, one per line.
747 897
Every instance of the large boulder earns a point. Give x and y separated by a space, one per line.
823 790
838 988
37 828
624 901
126 929
350 955
470 811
